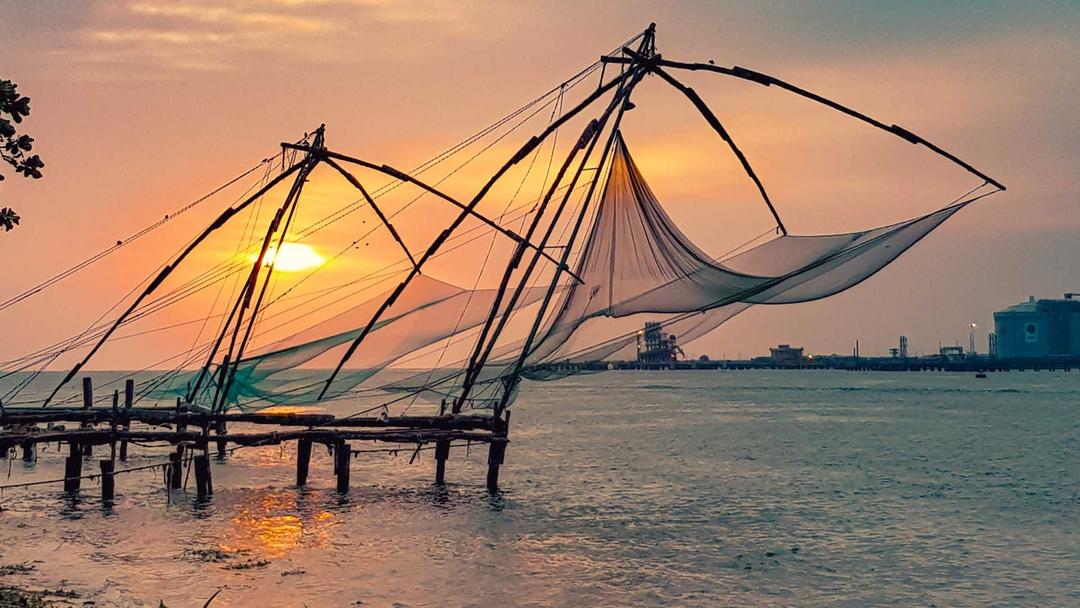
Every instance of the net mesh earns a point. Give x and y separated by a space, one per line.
634 263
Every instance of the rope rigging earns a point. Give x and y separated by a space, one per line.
631 259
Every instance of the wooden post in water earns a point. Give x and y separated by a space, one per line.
175 471
73 468
220 430
29 452
204 486
88 402
303 461
129 400
496 454
113 423
108 484
342 456
180 428
442 453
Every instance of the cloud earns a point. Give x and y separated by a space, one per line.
147 40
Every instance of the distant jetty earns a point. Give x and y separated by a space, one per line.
869 364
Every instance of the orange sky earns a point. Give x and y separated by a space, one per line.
139 107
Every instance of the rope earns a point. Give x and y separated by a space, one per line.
122 243
179 294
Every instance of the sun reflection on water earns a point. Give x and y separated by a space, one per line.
273 524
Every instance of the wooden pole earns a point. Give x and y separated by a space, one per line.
220 430
442 453
29 452
342 456
303 461
180 428
108 482
129 401
175 471
496 454
203 484
73 468
88 402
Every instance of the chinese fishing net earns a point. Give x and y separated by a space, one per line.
634 261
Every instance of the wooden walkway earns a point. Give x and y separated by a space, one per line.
192 433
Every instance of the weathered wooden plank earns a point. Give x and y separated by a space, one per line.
170 416
323 436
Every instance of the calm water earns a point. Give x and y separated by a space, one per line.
621 489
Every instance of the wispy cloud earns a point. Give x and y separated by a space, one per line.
153 40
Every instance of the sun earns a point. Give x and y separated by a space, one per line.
293 257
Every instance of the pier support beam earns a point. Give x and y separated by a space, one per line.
73 468
220 430
496 454
442 453
88 402
29 452
129 400
204 484
175 470
303 461
342 458
108 481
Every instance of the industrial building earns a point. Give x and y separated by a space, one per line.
656 346
785 355
1039 328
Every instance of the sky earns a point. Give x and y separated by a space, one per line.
141 106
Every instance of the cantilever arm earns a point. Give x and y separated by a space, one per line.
719 128
766 80
385 220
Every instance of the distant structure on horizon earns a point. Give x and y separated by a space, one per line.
1039 328
785 355
656 346
901 351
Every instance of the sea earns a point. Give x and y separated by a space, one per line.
659 488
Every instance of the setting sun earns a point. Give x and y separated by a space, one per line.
292 258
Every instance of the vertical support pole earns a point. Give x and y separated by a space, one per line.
73 468
108 482
342 456
114 423
496 454
180 428
88 402
29 452
442 453
175 470
303 461
87 392
220 430
203 484
129 400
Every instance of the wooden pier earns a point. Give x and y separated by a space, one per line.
192 433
